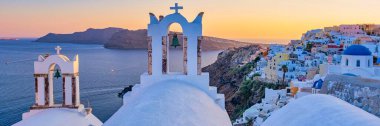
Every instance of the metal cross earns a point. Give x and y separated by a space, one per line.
58 49
176 7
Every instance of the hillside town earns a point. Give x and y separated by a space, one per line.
328 77
341 61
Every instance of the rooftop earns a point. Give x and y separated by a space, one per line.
357 50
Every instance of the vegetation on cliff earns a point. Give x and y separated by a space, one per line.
229 73
250 92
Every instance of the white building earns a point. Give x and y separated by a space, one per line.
274 100
357 60
47 113
166 98
274 48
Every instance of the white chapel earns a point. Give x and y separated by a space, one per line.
47 113
167 98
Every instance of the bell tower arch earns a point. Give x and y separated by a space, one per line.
44 73
158 42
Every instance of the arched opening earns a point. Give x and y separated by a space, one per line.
175 49
55 84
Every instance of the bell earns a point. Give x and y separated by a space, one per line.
175 41
57 74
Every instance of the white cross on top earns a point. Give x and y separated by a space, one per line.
176 7
58 49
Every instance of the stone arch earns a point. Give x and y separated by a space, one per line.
60 60
175 18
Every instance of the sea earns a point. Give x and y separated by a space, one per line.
103 74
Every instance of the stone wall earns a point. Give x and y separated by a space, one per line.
363 93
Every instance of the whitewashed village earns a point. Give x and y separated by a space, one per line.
331 76
340 61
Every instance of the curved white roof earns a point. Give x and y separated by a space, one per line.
321 110
60 117
169 103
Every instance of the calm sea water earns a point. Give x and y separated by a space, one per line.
103 73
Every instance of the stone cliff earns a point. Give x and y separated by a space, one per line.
129 39
119 38
229 72
90 36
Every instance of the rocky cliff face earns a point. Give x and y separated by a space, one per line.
128 39
90 36
228 72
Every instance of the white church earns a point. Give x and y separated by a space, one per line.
357 60
163 98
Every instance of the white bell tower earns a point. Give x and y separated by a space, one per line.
158 45
43 75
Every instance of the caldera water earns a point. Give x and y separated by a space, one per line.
103 74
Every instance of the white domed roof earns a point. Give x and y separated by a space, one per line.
60 117
169 103
321 110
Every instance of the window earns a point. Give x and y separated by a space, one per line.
357 63
346 62
369 63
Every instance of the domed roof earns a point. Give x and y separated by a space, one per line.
59 117
357 50
320 110
169 103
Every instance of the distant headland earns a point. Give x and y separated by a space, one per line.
119 38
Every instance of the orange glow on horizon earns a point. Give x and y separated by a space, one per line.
239 19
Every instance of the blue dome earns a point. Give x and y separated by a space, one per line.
318 84
357 50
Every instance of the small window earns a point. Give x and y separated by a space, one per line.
346 62
369 63
357 63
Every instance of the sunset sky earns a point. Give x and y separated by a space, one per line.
234 19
